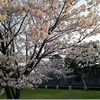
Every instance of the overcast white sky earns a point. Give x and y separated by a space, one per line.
93 38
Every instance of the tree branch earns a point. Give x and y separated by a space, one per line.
42 45
33 52
57 20
17 30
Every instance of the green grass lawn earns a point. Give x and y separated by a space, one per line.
57 94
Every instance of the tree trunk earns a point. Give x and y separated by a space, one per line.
8 93
17 96
84 83
11 94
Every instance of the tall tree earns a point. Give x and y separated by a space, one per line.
33 29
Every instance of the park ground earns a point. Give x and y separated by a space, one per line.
57 94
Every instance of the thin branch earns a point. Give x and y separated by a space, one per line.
17 30
57 20
4 25
15 23
46 54
3 50
33 52
42 45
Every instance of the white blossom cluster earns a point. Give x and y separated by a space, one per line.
86 52
56 66
12 75
21 82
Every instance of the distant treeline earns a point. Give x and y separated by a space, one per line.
91 81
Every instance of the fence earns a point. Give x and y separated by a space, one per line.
68 87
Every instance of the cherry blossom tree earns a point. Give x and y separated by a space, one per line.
31 30
82 58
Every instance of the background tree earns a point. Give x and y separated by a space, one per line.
83 59
32 30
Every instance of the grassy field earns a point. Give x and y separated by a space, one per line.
57 94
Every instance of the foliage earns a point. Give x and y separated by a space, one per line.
83 58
